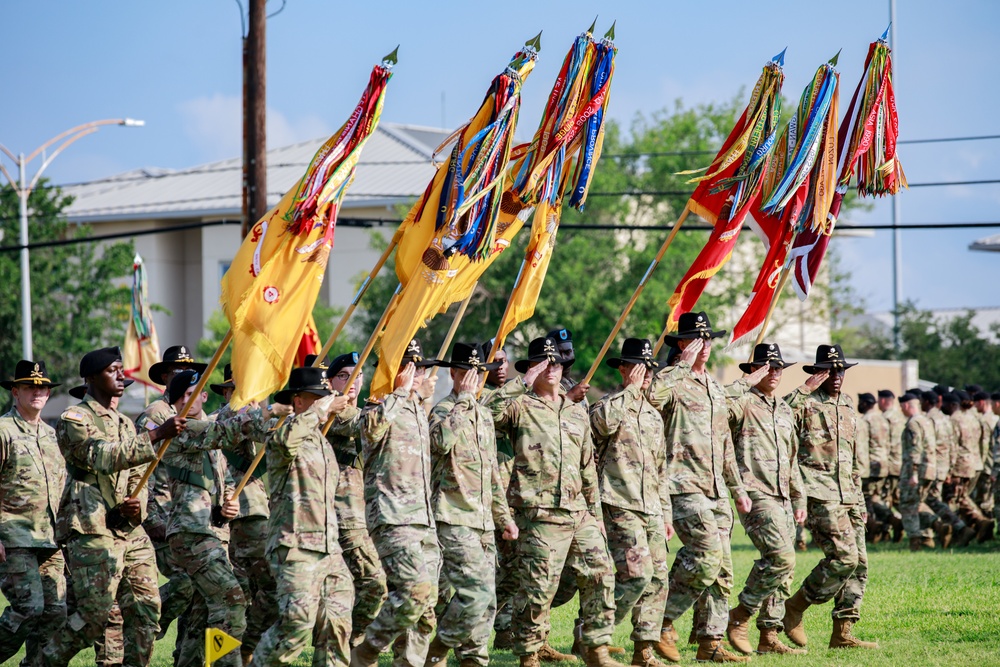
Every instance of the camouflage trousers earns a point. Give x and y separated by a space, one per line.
466 591
875 499
508 581
175 593
982 490
842 574
770 525
917 516
247 537
34 584
109 649
938 506
315 596
551 540
103 569
890 490
217 600
412 562
369 578
704 565
961 502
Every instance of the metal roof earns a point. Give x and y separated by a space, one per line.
394 168
990 244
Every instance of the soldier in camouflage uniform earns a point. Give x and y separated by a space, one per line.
896 421
32 474
315 593
982 492
918 471
967 464
98 520
876 430
825 421
556 499
469 502
701 465
950 528
396 450
632 473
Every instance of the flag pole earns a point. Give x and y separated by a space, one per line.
450 336
770 311
200 387
497 343
635 295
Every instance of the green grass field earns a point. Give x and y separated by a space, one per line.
924 609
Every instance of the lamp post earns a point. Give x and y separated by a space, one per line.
24 188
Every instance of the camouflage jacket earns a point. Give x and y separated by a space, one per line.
828 459
878 442
154 415
105 460
240 453
700 456
631 453
302 476
988 420
554 464
862 438
995 450
467 489
765 445
505 448
944 437
396 447
896 422
345 438
32 476
968 461
919 447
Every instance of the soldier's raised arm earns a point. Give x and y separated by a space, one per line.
85 446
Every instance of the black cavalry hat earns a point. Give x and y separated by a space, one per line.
415 355
29 372
540 349
828 357
469 358
635 351
227 381
308 379
310 360
177 354
79 391
693 325
765 353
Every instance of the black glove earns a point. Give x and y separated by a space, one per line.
217 519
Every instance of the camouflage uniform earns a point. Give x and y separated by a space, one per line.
632 474
917 460
831 479
767 457
315 595
995 455
878 451
359 551
32 474
555 496
396 449
469 502
967 461
982 492
944 436
701 465
104 459
896 421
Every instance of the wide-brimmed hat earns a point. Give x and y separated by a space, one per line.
31 373
693 325
177 354
635 351
414 354
227 381
564 342
79 391
765 353
308 379
828 357
469 358
541 349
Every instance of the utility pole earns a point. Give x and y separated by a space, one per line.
255 115
897 234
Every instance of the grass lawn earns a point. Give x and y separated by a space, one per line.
924 609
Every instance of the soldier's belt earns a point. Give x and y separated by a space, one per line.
189 477
81 475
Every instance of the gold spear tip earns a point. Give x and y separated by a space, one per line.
835 58
610 34
392 58
535 42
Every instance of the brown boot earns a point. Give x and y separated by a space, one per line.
615 650
643 655
598 657
738 630
942 534
549 654
669 627
769 643
712 650
897 528
984 531
364 655
467 662
436 652
965 536
842 637
666 648
800 545
916 543
693 635
579 649
530 660
246 657
795 606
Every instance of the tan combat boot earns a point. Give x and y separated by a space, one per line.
795 606
598 657
984 531
666 648
916 543
364 655
769 643
712 650
897 528
246 657
738 630
842 637
643 656
529 660
549 654
436 652
942 534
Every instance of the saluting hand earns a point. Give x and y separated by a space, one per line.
405 378
758 375
469 382
816 380
427 386
636 376
534 372
690 353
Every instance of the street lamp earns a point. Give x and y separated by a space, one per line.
23 190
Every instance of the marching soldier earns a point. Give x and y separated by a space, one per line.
952 529
918 471
983 490
564 343
875 430
967 464
896 421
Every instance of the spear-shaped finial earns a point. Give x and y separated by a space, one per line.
535 42
610 34
392 58
885 35
590 30
835 58
780 58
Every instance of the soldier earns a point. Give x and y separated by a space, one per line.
701 465
564 343
32 474
825 421
982 492
896 421
875 432
396 450
632 473
966 465
917 473
766 454
359 550
98 521
469 501
555 497
951 528
315 593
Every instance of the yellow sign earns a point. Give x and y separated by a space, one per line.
217 644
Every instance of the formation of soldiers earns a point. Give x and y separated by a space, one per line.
418 529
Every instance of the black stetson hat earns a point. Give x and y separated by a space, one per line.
765 353
828 357
635 351
177 354
227 381
79 391
415 355
693 325
469 358
180 383
540 349
308 379
96 361
31 373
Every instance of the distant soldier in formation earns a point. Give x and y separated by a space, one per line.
896 421
918 471
950 528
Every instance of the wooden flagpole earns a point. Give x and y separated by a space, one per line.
453 329
770 310
497 343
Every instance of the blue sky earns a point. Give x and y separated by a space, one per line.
177 65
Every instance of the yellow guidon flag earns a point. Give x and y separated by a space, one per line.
217 644
269 291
